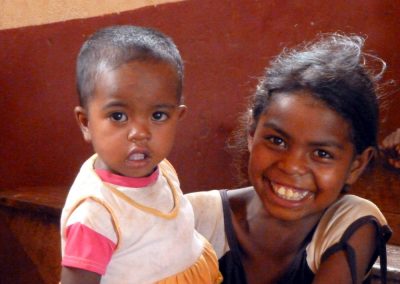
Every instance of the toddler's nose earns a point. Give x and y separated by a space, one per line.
139 131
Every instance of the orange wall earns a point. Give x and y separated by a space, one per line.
225 45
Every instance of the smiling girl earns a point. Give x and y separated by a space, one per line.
311 130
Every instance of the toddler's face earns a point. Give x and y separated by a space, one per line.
301 155
132 117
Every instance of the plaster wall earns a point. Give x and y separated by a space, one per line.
19 13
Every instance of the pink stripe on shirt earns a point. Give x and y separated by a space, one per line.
134 182
86 249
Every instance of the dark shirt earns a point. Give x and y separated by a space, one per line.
298 272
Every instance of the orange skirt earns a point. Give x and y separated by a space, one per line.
203 271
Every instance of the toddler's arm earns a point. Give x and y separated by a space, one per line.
78 276
89 242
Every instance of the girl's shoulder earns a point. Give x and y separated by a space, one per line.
211 201
350 208
204 201
345 216
208 210
209 218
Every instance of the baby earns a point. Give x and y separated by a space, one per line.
125 219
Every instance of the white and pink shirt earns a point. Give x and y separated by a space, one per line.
132 230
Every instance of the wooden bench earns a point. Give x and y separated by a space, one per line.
29 234
393 269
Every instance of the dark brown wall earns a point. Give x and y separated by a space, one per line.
225 45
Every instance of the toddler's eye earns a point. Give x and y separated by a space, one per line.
159 116
118 116
323 154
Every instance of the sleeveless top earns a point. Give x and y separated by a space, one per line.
336 226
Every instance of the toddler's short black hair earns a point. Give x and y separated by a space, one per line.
113 46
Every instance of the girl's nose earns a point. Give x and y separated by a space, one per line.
293 163
139 131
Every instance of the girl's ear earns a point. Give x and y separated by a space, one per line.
359 164
250 131
182 109
250 138
82 119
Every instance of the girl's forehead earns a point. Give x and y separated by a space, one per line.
299 97
303 110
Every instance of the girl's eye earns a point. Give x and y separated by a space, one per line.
276 141
322 154
159 116
118 116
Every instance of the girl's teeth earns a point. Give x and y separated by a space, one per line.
137 157
288 193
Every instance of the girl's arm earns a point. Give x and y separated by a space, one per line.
71 275
336 268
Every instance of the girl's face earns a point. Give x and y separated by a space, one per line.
301 156
132 117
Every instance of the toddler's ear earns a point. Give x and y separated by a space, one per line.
359 164
82 119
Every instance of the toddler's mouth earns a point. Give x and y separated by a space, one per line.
137 157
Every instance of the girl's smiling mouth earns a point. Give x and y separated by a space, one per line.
289 193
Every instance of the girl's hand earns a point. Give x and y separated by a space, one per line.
391 148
